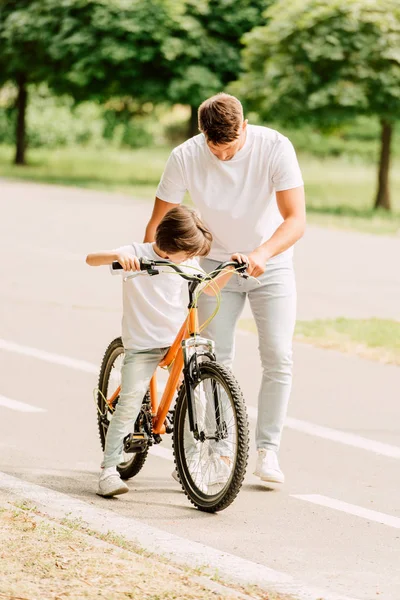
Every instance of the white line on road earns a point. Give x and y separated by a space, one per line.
20 406
180 550
352 509
335 435
57 359
349 439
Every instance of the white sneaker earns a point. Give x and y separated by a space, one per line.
267 467
111 484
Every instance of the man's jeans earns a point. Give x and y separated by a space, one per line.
273 304
137 370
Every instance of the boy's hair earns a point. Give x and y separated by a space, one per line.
220 118
181 230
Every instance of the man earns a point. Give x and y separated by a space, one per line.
247 184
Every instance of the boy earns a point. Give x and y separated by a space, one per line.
152 315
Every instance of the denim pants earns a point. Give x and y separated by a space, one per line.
137 369
273 304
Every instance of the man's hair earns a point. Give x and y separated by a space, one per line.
220 118
181 230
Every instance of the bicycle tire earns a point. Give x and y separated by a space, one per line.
114 350
226 496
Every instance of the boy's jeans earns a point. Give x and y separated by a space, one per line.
137 370
273 304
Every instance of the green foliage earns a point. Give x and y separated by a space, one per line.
57 121
206 46
107 48
89 49
24 39
325 61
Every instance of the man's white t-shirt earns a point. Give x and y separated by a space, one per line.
153 306
236 198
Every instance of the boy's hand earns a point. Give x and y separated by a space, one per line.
128 262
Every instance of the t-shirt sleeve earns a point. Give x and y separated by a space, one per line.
130 249
285 169
172 186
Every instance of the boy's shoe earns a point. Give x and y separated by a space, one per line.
267 467
111 484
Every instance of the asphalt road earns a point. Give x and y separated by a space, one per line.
335 523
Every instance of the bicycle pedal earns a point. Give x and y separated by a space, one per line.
136 442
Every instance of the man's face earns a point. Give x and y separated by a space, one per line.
228 151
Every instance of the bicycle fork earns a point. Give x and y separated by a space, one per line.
193 349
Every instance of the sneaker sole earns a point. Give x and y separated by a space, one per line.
118 492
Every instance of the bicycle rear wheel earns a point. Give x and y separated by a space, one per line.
109 380
212 468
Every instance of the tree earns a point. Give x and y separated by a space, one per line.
205 49
89 49
22 58
326 61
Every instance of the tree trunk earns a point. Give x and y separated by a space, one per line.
193 126
21 103
383 194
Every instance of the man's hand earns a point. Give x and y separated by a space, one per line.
241 258
257 262
128 262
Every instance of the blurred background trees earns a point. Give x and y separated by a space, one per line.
111 74
326 62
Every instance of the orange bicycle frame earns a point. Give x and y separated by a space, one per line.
174 357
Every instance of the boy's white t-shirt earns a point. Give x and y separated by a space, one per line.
236 198
153 306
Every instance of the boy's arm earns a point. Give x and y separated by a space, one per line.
213 287
129 262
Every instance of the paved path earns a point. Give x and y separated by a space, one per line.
334 525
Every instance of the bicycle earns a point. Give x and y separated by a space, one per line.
209 423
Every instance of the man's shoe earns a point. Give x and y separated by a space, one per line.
267 467
111 484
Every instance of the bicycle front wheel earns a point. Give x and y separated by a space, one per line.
212 467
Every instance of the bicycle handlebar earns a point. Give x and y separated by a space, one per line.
150 265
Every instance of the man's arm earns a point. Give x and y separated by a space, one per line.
160 209
291 204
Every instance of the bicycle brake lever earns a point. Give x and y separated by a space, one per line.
148 265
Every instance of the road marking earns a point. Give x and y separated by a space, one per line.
20 406
342 437
352 509
334 435
180 550
57 359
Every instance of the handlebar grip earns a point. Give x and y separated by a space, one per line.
116 266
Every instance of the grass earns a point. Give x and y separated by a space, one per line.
42 558
339 193
374 339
